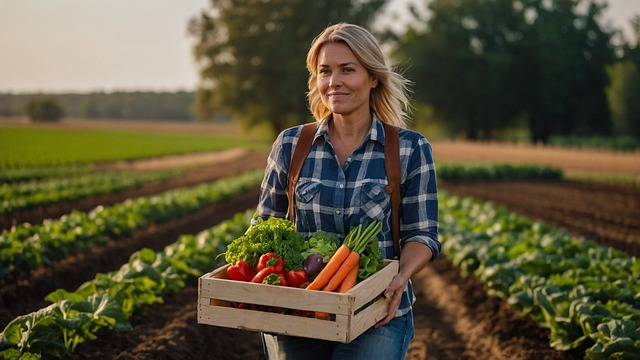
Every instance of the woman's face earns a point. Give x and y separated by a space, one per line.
344 84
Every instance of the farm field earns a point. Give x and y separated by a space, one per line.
455 318
53 146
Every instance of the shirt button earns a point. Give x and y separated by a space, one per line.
338 212
341 186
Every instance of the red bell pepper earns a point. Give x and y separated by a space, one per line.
263 273
296 278
241 271
275 279
271 259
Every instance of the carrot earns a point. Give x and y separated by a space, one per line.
350 280
322 279
353 260
322 315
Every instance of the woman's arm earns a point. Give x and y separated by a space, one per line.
419 222
413 258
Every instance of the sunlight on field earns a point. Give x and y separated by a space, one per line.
69 143
576 163
76 141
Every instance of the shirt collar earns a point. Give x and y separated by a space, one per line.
377 129
376 132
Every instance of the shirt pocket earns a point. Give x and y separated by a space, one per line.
374 200
306 191
307 194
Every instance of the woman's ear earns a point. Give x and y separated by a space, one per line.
374 83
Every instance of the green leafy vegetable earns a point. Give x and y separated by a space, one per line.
370 259
57 329
584 293
272 235
322 243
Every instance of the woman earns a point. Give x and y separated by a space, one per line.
342 182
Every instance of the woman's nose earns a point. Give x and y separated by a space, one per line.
334 80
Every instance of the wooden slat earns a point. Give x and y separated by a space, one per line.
373 286
363 320
269 295
275 323
216 294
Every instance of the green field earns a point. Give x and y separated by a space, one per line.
28 147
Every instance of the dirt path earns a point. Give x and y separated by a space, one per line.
455 319
26 293
573 161
201 168
608 214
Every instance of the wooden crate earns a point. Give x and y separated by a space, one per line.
353 311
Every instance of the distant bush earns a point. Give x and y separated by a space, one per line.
491 172
44 109
170 106
619 143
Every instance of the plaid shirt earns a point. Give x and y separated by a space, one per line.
335 198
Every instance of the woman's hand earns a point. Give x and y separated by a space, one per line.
413 257
393 293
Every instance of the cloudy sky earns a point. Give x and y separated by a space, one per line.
98 45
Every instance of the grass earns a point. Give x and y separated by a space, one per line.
28 147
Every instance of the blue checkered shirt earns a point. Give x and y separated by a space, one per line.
335 198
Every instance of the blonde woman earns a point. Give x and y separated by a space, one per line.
352 92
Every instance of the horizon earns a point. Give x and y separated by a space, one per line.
45 53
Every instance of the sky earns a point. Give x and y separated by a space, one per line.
58 46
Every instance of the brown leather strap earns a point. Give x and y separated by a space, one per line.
392 167
297 160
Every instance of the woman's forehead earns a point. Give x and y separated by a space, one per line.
336 52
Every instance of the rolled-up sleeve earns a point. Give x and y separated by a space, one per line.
273 201
419 221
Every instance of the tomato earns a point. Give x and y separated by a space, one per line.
296 278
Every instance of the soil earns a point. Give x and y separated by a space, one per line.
454 316
571 161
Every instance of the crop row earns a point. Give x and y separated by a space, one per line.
45 186
107 301
584 293
587 295
15 175
36 192
25 246
447 171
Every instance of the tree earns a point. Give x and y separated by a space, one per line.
461 64
252 55
44 109
625 86
562 68
485 63
623 98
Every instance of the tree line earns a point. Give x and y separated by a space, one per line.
478 66
117 105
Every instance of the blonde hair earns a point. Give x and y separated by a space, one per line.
389 99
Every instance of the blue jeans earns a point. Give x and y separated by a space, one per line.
389 342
